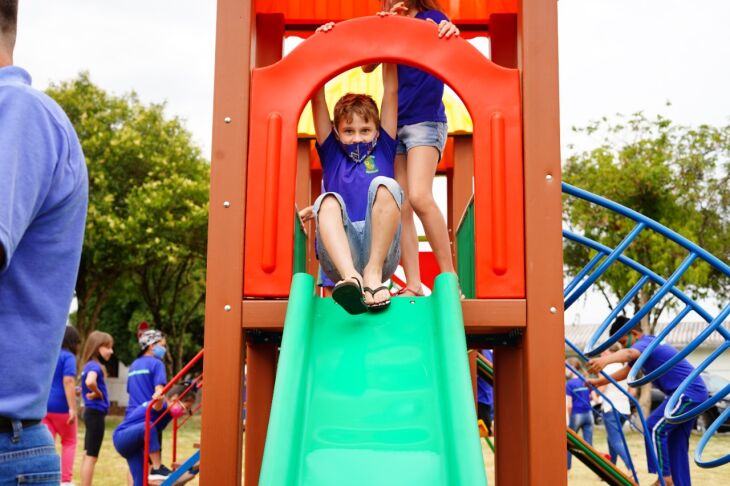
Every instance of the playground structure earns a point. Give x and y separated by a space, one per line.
506 226
524 42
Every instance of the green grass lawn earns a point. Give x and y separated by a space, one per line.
111 470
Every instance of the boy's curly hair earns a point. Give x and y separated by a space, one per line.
360 104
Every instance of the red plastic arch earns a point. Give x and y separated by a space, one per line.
491 94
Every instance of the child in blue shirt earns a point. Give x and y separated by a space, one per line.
580 412
358 216
128 437
671 441
485 397
97 351
147 375
61 416
422 134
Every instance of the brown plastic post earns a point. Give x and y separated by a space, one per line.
544 337
260 376
222 425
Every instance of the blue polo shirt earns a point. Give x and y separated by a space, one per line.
580 394
420 95
100 404
43 198
670 381
485 394
145 373
66 366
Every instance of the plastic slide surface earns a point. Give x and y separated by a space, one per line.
376 399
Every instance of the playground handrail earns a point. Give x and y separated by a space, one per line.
148 412
607 256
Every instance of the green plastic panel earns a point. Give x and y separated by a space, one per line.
300 246
465 256
374 399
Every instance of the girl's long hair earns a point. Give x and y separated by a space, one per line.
422 5
71 340
94 341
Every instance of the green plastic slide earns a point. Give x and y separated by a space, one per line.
376 399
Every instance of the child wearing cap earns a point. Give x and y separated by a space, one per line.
147 377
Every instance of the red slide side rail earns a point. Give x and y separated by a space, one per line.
491 93
148 411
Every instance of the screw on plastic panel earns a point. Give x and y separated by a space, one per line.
553 310
549 177
227 308
226 204
227 119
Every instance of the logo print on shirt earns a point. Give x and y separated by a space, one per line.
370 167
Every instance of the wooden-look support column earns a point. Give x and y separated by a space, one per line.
543 345
221 442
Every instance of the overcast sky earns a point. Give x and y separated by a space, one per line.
615 56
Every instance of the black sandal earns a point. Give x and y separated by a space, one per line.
348 294
377 306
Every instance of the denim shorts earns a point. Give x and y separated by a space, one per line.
29 457
359 232
424 134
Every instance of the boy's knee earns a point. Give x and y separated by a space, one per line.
330 203
383 195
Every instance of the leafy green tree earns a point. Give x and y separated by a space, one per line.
146 231
673 174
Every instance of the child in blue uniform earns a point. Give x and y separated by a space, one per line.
422 133
61 416
358 217
578 402
485 397
97 351
128 437
147 375
671 441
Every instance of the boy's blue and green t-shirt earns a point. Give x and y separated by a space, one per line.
351 180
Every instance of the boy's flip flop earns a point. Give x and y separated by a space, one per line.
348 294
377 306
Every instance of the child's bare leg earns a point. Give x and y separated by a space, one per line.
155 459
334 238
408 235
88 464
422 162
385 216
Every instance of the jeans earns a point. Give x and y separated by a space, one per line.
28 456
583 421
614 422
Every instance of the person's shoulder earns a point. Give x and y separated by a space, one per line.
33 104
91 365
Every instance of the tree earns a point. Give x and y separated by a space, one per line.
146 227
673 174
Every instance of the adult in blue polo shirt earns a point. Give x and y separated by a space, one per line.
670 441
580 413
43 198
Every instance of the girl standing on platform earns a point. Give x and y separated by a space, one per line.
422 133
97 351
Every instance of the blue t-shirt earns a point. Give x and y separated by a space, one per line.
100 404
136 417
670 381
66 366
420 95
43 198
581 395
145 373
485 393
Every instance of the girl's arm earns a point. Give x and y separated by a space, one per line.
95 393
389 107
69 389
